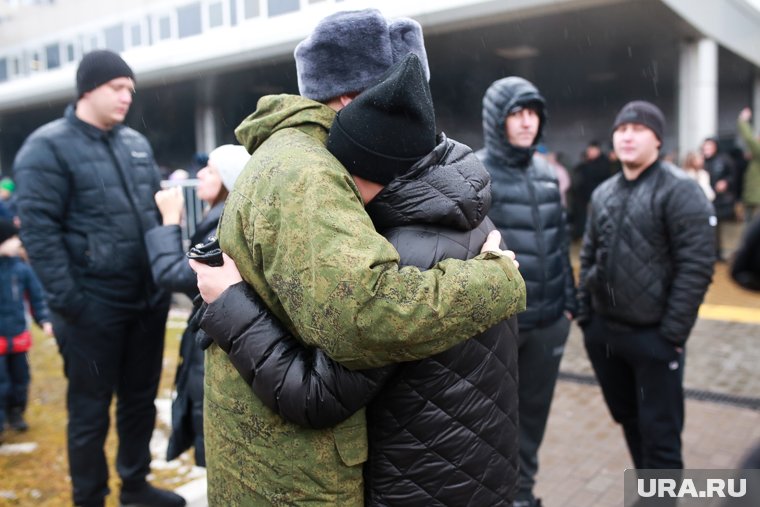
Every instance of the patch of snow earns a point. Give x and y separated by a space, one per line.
21 448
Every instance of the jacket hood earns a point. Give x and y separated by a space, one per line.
277 112
448 187
500 97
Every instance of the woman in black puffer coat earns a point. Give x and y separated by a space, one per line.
171 271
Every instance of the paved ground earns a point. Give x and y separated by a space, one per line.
583 456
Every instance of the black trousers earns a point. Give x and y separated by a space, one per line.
538 356
641 376
110 351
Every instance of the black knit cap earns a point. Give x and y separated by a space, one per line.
388 127
99 67
644 113
7 229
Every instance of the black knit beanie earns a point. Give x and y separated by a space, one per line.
99 67
388 127
7 229
644 113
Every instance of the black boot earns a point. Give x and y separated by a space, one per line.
16 419
149 496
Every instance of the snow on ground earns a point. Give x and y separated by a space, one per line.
20 448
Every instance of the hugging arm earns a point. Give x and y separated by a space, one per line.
301 384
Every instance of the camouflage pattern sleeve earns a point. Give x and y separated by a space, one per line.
299 234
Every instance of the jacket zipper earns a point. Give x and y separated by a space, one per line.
539 234
131 198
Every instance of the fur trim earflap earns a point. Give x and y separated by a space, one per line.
348 51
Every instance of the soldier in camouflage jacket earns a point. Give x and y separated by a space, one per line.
428 410
296 226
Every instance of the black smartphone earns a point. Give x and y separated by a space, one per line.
208 253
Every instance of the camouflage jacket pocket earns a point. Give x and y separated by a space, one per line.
351 439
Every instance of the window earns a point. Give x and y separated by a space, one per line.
277 7
135 35
189 20
115 38
233 12
251 8
53 56
33 62
94 43
3 69
164 28
70 53
215 14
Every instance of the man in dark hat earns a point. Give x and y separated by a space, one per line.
429 196
646 262
527 209
296 226
85 199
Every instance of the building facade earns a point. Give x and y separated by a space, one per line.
201 65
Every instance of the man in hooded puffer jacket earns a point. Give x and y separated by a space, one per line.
527 209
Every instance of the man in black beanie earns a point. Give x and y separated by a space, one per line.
646 262
85 199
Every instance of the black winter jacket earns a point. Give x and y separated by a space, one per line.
745 269
720 167
442 431
85 200
648 252
171 271
527 208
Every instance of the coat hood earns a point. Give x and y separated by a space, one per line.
500 97
448 187
277 112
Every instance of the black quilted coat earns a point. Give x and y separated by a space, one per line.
527 208
648 252
85 199
442 431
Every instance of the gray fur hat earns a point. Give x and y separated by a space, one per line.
349 50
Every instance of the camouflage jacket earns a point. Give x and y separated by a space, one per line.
296 226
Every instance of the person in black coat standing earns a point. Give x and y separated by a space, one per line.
594 169
528 211
85 199
720 167
443 430
172 272
646 262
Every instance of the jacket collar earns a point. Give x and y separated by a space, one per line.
645 174
89 130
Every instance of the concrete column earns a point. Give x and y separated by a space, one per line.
697 93
206 115
205 127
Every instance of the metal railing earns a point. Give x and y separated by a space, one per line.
194 207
